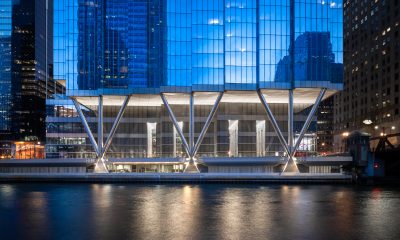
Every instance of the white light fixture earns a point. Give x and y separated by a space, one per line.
367 121
213 21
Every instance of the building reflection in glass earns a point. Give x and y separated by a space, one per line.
314 60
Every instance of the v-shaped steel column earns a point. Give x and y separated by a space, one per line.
99 147
86 126
290 161
289 148
115 125
207 123
100 164
275 125
176 124
193 146
308 120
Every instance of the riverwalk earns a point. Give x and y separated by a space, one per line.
178 177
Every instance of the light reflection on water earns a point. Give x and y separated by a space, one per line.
124 211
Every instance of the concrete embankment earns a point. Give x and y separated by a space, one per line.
176 177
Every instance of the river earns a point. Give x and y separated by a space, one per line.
148 211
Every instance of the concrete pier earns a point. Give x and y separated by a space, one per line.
177 177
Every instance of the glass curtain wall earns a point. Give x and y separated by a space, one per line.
5 66
138 46
207 43
318 33
274 42
179 43
240 44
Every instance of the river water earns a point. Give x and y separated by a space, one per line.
129 211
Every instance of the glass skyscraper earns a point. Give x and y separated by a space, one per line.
25 68
119 56
5 68
120 47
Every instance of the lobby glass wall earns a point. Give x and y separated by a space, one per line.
67 139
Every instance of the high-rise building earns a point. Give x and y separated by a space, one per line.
26 60
5 69
370 99
169 78
325 127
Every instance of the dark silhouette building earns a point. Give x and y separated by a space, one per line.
370 99
325 126
26 60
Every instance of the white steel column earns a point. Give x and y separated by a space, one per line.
85 125
308 120
207 124
290 121
100 125
191 122
192 147
291 147
273 121
99 147
290 162
191 166
115 125
100 165
176 124
276 127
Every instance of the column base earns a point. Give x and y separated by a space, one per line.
100 166
191 167
290 167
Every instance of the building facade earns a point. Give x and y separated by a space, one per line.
325 127
202 71
370 99
26 65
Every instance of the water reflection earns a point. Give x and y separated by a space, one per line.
117 211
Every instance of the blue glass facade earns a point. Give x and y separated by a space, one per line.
148 46
25 68
5 66
274 43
